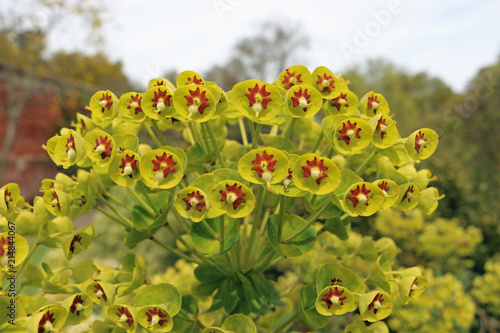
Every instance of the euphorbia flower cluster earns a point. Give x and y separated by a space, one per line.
234 206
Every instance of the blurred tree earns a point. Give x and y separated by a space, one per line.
419 99
25 27
274 47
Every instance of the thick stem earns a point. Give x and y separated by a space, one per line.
280 219
363 165
159 133
255 223
214 143
243 131
148 199
222 228
311 221
153 135
174 251
288 131
318 142
255 137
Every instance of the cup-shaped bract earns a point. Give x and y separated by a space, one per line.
159 81
264 166
157 103
100 147
11 201
160 168
375 306
50 318
155 318
13 250
429 200
385 132
324 80
256 100
335 300
57 202
390 190
80 308
411 287
291 76
352 136
104 107
409 195
316 174
373 104
83 124
124 169
189 77
69 149
343 102
287 186
421 144
363 199
100 292
233 198
194 103
192 202
123 316
303 101
75 242
130 107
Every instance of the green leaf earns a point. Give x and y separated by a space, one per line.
377 275
367 250
230 295
300 245
338 227
265 288
163 294
205 242
239 323
310 316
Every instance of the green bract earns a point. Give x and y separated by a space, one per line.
157 103
303 101
256 100
373 104
297 74
192 202
352 136
341 102
100 147
385 132
390 190
160 168
375 305
130 106
264 166
124 169
363 199
195 103
104 106
232 198
69 149
421 144
325 82
335 300
315 174
123 316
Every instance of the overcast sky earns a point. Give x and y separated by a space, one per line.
449 39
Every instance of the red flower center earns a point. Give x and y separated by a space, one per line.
301 99
105 102
195 199
420 142
376 304
125 316
233 194
100 292
103 146
161 100
258 98
315 169
76 306
334 297
290 79
197 101
381 127
360 195
263 164
45 324
129 163
326 83
76 238
164 164
349 131
373 103
156 316
340 101
135 103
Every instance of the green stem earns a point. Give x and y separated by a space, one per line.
187 316
221 231
288 131
263 223
318 142
210 229
114 218
174 251
117 213
148 199
190 134
140 200
159 133
280 219
311 221
255 137
118 202
205 137
265 262
182 221
153 136
25 262
289 321
214 143
363 165
255 223
197 136
313 199
243 130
